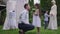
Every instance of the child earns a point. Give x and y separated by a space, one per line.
36 18
46 19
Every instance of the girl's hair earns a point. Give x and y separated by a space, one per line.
25 5
38 7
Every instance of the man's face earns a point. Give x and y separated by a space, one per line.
28 7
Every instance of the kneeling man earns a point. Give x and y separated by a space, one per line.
24 25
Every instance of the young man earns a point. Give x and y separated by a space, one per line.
46 19
24 20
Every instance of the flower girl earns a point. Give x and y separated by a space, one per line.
36 18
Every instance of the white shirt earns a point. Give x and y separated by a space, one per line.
46 17
24 17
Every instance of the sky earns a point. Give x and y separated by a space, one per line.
36 1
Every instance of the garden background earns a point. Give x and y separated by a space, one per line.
45 5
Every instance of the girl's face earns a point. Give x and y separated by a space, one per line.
35 6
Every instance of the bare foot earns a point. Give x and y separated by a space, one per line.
21 32
38 32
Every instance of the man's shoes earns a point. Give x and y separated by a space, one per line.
20 32
23 32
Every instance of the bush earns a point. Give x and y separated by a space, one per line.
3 15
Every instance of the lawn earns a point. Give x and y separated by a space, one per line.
43 31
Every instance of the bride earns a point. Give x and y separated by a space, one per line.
53 17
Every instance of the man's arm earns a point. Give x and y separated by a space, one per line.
23 17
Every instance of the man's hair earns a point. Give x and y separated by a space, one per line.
25 5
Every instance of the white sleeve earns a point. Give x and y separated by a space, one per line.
55 10
23 17
47 15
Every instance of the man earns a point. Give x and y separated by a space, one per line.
46 16
24 25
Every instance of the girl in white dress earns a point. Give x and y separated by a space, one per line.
36 18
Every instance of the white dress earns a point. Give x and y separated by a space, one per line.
53 19
36 20
10 22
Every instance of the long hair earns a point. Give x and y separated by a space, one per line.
38 7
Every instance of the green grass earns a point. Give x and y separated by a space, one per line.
30 32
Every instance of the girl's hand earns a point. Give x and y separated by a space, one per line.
51 14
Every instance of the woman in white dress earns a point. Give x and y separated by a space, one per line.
36 18
53 17
10 22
